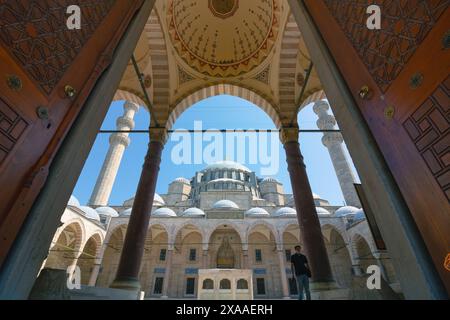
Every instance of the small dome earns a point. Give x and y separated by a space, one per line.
227 165
126 213
269 179
164 213
316 196
193 212
320 210
90 213
286 211
359 215
73 202
257 212
158 201
225 204
182 180
107 211
343 211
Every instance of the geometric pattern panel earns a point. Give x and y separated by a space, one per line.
12 127
429 128
405 24
35 33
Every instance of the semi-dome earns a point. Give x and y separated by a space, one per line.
343 211
231 165
321 210
225 204
193 212
256 212
158 201
107 211
286 211
73 201
182 180
90 213
164 213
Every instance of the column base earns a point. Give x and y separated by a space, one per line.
131 284
323 285
165 297
286 298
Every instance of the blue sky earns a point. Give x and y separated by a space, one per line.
221 112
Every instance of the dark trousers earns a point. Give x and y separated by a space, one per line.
303 284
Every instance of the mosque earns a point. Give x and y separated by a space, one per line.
225 217
386 83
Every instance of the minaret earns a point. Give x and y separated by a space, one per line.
333 141
118 142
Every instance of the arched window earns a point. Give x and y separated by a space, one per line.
242 284
225 284
208 284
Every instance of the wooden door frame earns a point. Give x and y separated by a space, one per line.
24 260
415 270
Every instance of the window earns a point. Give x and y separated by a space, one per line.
258 255
225 284
288 255
157 289
260 286
192 254
208 284
242 284
162 255
190 286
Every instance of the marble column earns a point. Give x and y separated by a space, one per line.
167 273
284 279
133 248
94 275
334 143
118 142
308 220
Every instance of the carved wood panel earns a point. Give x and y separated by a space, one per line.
12 127
404 26
429 128
35 33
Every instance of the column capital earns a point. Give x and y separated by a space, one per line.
119 138
158 135
289 134
331 138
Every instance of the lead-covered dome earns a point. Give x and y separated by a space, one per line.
323 211
158 201
230 165
225 204
193 212
73 201
256 212
164 213
107 211
343 211
182 180
90 213
285 212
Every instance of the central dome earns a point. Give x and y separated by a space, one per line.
223 38
227 165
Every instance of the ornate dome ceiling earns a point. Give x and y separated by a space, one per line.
223 38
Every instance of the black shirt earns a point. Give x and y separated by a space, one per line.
299 261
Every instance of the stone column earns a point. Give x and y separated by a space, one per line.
284 279
168 270
334 142
94 275
245 261
310 231
118 142
133 248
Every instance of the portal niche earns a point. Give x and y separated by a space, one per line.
225 255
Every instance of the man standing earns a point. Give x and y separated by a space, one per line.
300 268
